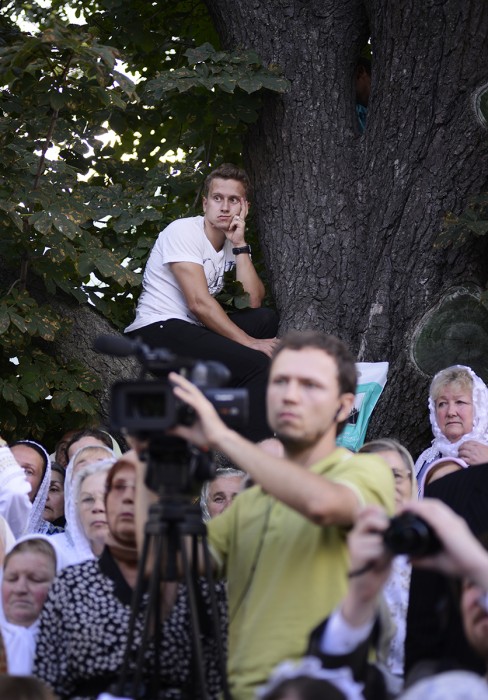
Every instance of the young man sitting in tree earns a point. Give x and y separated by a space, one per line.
185 271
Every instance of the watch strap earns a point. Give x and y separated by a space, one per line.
242 249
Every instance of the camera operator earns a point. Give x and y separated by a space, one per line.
281 544
345 637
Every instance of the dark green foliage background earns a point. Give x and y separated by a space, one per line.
100 203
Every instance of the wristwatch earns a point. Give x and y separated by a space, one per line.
242 249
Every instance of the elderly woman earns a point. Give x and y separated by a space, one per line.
458 406
218 494
396 590
28 572
87 615
85 538
85 455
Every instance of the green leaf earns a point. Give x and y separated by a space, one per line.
64 225
4 320
81 403
57 100
41 222
19 322
60 400
242 302
10 394
250 84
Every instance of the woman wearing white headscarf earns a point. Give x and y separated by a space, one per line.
34 460
83 456
84 537
391 654
28 572
458 407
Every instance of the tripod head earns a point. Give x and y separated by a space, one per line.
174 467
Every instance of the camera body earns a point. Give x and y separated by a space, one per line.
410 534
149 407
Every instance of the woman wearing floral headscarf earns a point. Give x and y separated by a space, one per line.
458 405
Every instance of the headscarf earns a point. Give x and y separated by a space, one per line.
121 549
440 444
20 642
80 539
68 482
37 524
73 542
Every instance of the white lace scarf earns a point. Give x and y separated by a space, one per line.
440 444
36 523
75 535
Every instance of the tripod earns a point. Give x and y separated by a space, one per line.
175 534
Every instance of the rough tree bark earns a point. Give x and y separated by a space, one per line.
348 222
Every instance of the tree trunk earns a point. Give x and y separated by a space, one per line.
348 222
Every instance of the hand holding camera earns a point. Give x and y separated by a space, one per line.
460 553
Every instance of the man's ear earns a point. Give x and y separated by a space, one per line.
204 204
347 402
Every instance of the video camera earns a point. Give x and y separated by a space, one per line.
147 407
412 535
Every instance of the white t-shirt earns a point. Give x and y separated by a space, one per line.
183 240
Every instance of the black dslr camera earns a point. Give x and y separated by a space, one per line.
148 407
409 534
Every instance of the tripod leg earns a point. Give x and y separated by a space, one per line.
195 623
152 616
136 600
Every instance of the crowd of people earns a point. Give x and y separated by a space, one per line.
312 598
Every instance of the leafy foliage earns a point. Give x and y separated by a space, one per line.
93 163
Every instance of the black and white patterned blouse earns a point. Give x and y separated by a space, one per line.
83 633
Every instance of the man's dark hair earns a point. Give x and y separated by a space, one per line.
55 467
89 432
228 171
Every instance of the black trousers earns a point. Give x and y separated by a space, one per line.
249 368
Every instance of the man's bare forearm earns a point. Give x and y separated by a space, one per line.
246 274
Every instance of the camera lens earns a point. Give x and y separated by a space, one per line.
409 534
